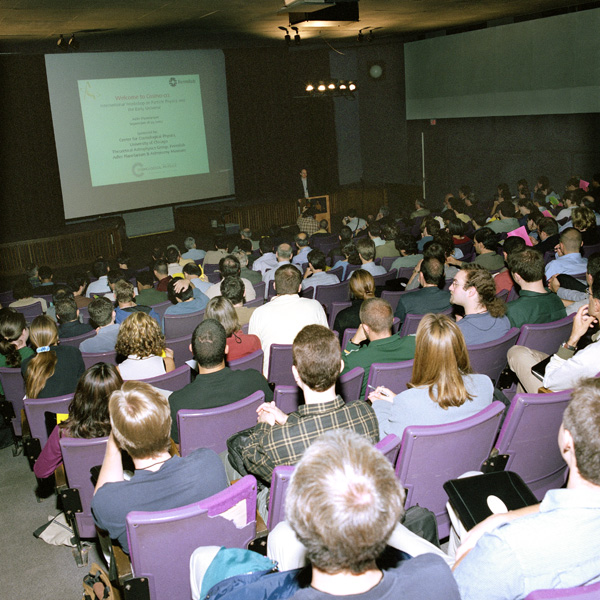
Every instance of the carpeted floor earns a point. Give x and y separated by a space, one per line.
30 568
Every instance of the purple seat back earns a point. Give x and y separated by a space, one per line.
162 542
35 409
513 294
254 360
259 288
587 251
173 381
350 269
14 392
387 261
84 314
389 446
586 592
210 427
348 335
161 307
405 272
271 290
392 297
394 376
528 436
91 358
338 272
308 292
381 280
328 294
76 340
489 359
431 455
287 398
546 337
177 326
79 456
334 309
258 301
30 312
181 349
411 321
279 484
280 365
349 384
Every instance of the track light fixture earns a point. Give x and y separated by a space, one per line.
331 87
62 43
287 37
73 43
297 39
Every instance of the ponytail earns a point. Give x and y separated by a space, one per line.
12 325
43 334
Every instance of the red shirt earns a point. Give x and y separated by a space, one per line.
241 344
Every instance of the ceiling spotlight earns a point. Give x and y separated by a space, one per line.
287 37
297 39
73 43
343 86
310 87
351 86
62 43
321 87
331 86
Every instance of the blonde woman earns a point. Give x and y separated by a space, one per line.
141 340
54 370
442 388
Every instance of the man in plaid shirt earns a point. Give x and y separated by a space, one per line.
280 439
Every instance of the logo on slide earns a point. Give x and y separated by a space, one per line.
172 82
137 169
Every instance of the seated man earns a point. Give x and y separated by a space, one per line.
174 260
388 248
554 544
267 259
213 257
246 234
568 365
302 243
366 251
407 247
280 439
535 303
184 297
228 266
161 272
315 274
67 315
355 223
102 315
191 251
141 424
547 228
233 289
283 255
253 277
23 296
344 505
193 272
216 384
569 259
505 218
474 289
306 222
100 286
280 320
503 280
430 298
485 242
77 282
376 326
46 280
147 295
126 304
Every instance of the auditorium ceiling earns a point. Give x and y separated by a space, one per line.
100 25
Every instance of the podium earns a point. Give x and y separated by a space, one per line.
320 203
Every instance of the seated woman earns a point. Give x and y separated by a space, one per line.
143 343
350 258
362 286
54 370
13 339
23 296
239 344
88 415
584 220
442 390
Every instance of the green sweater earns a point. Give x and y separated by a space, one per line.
387 350
533 307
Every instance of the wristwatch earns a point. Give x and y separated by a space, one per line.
567 347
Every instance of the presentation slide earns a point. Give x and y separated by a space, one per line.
140 129
537 67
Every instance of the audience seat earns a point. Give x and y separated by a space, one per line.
210 427
335 309
546 337
394 376
254 360
173 381
76 340
528 436
411 322
14 392
490 358
36 409
91 358
162 542
280 365
432 455
177 326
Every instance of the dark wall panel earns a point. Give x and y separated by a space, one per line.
30 195
487 151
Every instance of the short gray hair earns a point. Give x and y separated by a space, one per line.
189 243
